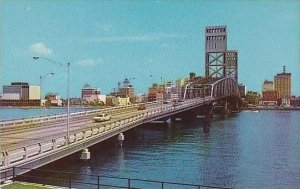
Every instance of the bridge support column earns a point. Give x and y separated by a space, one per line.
85 154
173 119
207 119
237 105
120 140
225 108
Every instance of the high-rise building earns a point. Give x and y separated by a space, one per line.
242 89
268 86
20 94
126 91
21 88
88 92
282 84
34 92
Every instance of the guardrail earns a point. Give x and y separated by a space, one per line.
56 116
71 179
61 116
15 157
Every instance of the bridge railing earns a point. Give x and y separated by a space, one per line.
60 116
20 155
79 180
13 157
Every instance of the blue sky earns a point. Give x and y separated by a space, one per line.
106 41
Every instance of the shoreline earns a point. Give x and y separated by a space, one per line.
38 107
272 108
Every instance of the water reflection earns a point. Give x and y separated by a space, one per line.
256 150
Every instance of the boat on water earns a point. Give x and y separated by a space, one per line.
256 111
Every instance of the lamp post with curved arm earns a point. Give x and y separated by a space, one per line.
68 89
41 81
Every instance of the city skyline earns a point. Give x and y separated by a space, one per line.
105 42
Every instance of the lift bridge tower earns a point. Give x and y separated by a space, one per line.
219 62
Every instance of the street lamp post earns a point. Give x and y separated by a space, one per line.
68 90
41 80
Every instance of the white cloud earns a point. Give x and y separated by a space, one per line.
137 38
90 62
40 49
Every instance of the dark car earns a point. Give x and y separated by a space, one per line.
142 107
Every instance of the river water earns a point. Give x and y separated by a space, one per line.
14 113
246 150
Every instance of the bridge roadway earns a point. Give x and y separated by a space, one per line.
38 141
25 136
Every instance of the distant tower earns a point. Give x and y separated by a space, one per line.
282 83
215 48
231 64
126 82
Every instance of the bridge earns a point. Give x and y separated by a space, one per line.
34 142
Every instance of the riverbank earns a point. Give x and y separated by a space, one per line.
51 107
271 108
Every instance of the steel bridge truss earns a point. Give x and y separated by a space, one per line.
221 88
215 64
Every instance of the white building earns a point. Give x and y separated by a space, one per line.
102 98
10 96
34 92
117 101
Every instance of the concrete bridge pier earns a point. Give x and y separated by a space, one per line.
85 154
120 139
173 119
188 115
225 111
208 117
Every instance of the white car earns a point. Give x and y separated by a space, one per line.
101 117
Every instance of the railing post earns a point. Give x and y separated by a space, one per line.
98 186
199 187
129 183
162 185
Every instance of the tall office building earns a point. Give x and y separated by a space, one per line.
282 83
89 93
20 94
21 88
268 86
242 89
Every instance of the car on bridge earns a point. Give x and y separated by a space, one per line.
142 107
166 101
102 117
